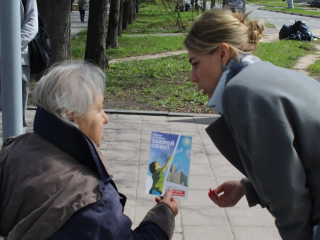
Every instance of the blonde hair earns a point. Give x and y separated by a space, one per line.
70 87
221 26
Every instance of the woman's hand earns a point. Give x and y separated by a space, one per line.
233 191
171 202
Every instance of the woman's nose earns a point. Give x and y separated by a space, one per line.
105 117
193 77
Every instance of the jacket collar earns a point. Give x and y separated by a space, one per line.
234 67
71 140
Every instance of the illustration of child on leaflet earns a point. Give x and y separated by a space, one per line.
157 176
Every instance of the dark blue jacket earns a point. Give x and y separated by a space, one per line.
103 219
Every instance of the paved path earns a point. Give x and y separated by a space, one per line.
76 24
148 56
126 146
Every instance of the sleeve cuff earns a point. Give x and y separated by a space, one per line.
252 196
162 215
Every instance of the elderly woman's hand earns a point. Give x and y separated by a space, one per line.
171 202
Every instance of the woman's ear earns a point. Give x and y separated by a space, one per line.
225 54
70 116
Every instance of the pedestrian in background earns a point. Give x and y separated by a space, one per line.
269 127
72 1
82 9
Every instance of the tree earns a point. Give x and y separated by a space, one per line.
204 5
224 4
120 19
130 11
134 9
96 36
137 6
125 16
112 36
213 3
58 27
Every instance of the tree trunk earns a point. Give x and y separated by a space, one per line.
96 37
213 3
134 15
125 16
112 36
204 5
58 27
120 19
137 6
224 4
130 11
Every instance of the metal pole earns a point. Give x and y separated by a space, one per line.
290 4
11 77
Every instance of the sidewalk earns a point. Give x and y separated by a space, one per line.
76 24
126 147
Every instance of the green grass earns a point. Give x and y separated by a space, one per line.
159 84
133 46
154 18
278 4
262 2
283 53
315 68
164 84
130 46
295 10
269 25
78 45
270 2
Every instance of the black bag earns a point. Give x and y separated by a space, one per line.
298 31
304 29
39 47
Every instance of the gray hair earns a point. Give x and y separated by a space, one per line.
70 87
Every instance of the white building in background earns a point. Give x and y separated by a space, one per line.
177 177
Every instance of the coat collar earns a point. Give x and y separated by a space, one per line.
71 140
235 66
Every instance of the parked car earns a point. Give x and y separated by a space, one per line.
315 3
235 5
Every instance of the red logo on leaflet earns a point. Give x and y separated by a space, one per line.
178 193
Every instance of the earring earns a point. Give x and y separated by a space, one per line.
223 67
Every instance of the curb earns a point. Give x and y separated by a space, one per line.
297 14
149 113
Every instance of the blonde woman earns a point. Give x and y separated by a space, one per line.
269 127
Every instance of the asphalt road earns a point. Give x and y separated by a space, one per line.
279 19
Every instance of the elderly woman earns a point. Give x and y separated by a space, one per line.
269 127
55 183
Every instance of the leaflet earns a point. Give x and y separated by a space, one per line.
169 164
